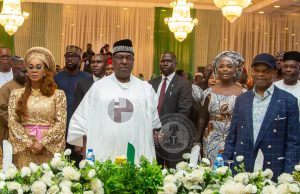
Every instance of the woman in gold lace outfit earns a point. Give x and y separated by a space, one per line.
37 113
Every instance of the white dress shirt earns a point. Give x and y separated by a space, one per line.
169 79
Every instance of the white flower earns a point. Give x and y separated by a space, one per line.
182 166
2 184
25 188
186 156
33 167
65 183
38 187
294 188
285 178
164 172
231 187
2 176
222 170
180 175
13 186
198 175
82 164
46 166
282 189
47 178
250 189
91 173
297 167
206 161
242 178
25 171
268 173
195 187
70 173
66 190
269 189
56 162
254 175
169 179
53 190
11 172
57 155
91 163
20 191
88 192
67 152
97 186
239 158
170 188
207 191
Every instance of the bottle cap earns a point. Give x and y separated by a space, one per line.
90 150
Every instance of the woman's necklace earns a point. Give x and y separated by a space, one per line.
35 92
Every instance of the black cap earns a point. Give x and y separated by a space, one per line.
123 46
292 55
264 58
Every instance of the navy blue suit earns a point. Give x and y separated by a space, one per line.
278 138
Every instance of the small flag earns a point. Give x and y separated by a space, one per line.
130 153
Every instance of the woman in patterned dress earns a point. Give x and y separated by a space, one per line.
218 103
37 113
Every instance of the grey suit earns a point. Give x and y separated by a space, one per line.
81 89
178 97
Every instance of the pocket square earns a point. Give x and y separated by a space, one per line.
279 118
280 158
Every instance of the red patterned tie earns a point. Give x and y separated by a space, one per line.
162 94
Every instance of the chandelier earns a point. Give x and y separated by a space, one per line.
232 9
11 16
181 22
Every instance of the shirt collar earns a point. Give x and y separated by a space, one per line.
169 77
268 92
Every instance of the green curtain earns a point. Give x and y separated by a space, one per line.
5 39
164 40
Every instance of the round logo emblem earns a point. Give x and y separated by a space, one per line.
177 136
120 110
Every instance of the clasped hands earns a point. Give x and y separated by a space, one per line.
36 147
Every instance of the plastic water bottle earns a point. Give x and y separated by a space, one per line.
219 161
90 155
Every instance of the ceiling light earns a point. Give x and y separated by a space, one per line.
232 9
261 12
276 6
181 22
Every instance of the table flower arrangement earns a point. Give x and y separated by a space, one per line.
60 176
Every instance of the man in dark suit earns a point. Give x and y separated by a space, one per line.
175 93
265 123
98 63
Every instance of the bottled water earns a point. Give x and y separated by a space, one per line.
90 155
219 161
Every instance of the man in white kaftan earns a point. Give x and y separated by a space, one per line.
117 110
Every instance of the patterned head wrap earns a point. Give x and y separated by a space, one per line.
234 57
43 54
280 53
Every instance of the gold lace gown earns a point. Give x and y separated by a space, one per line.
42 111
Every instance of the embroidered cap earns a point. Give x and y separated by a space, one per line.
73 49
123 46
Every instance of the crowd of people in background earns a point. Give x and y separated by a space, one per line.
45 108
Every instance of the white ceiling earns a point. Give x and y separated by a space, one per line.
286 6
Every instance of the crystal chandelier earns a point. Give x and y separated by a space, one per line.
181 22
11 16
232 9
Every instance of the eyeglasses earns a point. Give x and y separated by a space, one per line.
7 57
72 56
36 68
122 57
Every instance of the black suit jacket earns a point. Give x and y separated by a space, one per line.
178 97
81 89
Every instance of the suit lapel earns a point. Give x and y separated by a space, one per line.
249 112
272 110
156 84
170 88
